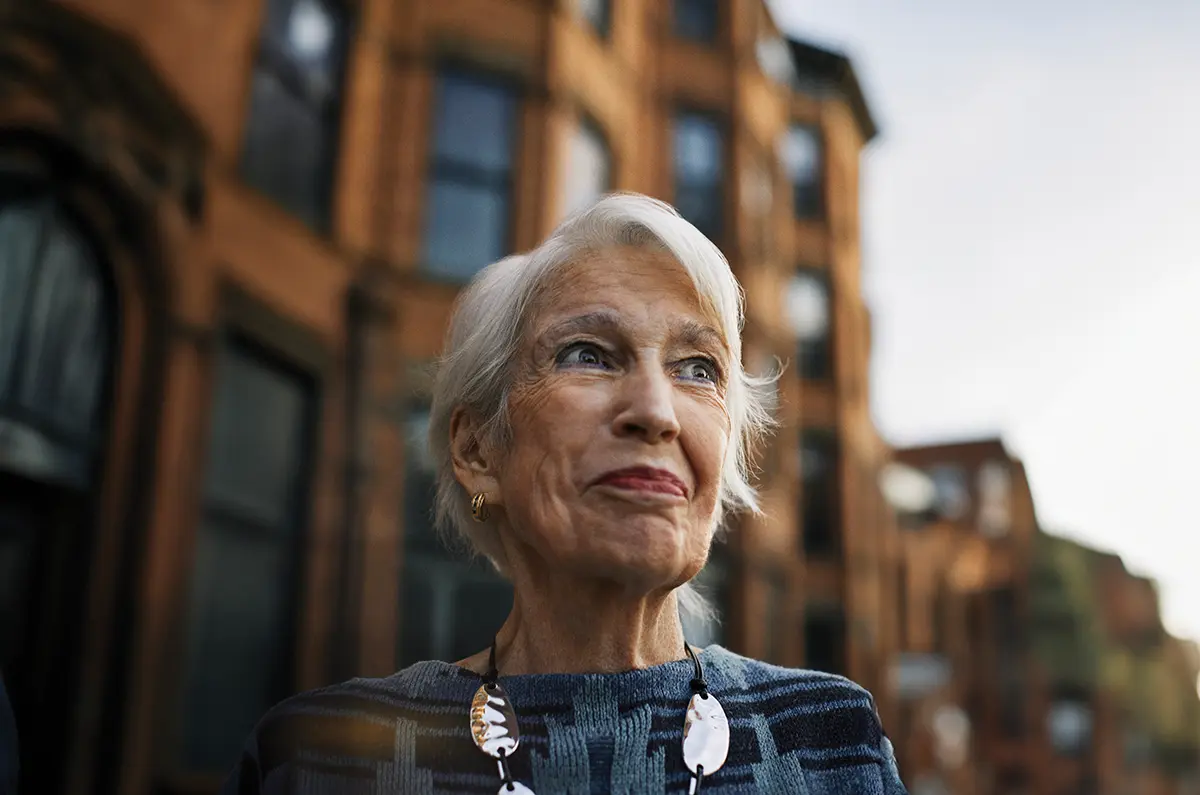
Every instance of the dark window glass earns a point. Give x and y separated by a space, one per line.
587 169
819 498
291 135
19 528
481 603
247 558
598 13
470 186
1008 645
802 159
776 607
55 339
810 313
700 173
696 20
450 607
825 640
953 495
419 485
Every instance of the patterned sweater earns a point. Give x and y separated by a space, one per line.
791 732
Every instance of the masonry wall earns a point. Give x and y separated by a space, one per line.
349 309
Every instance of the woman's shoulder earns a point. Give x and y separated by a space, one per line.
822 723
755 676
351 717
801 707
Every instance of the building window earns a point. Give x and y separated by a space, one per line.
58 325
700 172
587 168
247 560
994 484
56 336
809 313
952 494
1008 643
450 608
1069 724
471 177
802 159
291 137
819 492
696 20
774 615
597 13
774 58
825 640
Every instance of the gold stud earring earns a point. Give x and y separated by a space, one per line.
479 511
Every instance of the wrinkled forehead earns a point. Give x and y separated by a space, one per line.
590 278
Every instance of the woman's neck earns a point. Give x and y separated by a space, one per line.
585 628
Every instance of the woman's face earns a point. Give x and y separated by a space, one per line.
619 425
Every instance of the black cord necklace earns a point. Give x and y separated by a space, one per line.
495 731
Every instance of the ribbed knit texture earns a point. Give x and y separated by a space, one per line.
791 732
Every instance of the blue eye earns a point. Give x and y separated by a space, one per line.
700 369
582 354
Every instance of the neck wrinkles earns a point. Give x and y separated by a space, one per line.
585 627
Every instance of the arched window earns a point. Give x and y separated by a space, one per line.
56 333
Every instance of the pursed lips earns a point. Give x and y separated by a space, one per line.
651 479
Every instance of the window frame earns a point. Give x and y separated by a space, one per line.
820 209
301 352
723 188
327 115
827 544
53 207
808 352
436 170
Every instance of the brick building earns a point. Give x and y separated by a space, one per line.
232 233
1122 712
1054 652
966 601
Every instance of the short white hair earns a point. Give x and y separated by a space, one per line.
477 365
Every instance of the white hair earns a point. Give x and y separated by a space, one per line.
477 365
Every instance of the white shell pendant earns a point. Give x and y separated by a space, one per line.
705 736
517 787
494 722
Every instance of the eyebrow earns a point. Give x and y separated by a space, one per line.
689 332
699 335
593 322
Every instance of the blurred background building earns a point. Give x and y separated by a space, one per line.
230 235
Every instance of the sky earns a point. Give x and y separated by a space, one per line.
1031 222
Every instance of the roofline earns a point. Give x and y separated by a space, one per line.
837 68
993 442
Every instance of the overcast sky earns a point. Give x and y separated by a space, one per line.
1032 250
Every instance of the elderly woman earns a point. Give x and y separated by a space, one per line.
590 424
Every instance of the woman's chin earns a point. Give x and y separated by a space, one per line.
644 563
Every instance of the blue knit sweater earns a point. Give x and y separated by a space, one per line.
791 732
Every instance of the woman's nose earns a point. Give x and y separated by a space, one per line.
647 409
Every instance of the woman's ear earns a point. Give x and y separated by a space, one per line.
474 466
